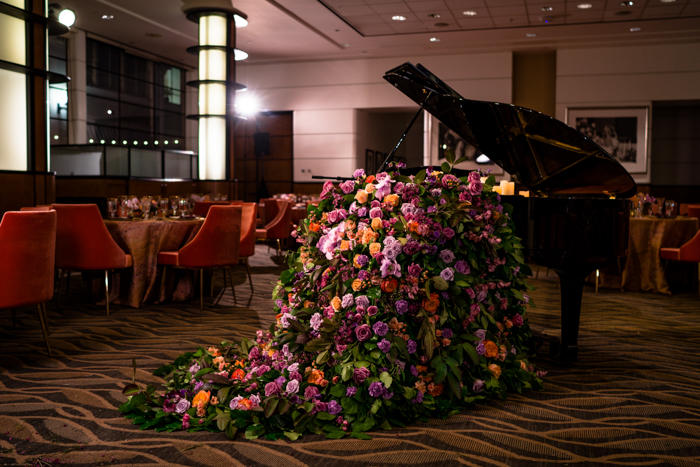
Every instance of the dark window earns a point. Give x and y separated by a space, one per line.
58 93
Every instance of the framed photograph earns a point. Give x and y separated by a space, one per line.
442 138
623 133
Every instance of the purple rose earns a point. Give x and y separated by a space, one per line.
272 389
480 349
363 332
384 345
361 260
474 176
347 186
309 392
414 270
418 399
358 173
380 328
360 375
517 320
478 386
377 389
372 310
334 408
296 376
401 365
262 369
362 212
376 212
350 391
462 267
194 368
475 187
448 233
348 300
481 334
362 301
447 274
401 306
447 256
411 346
182 406
321 406
432 209
448 180
292 387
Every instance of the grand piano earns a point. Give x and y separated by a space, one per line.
577 219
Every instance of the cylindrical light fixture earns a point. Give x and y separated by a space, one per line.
216 51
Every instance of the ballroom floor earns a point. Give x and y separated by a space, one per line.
632 399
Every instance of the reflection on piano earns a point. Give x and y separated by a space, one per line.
579 221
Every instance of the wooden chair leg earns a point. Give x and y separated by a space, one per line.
279 248
107 290
597 275
60 288
161 298
44 327
230 278
250 278
201 290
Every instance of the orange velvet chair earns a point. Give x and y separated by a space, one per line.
83 243
689 252
271 206
280 227
247 248
27 255
694 210
36 208
201 208
215 246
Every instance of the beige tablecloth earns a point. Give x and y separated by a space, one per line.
144 240
643 269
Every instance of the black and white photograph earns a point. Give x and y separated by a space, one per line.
621 133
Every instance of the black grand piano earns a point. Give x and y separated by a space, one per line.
578 219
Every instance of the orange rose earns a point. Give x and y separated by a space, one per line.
446 342
361 196
357 285
344 245
350 224
490 349
389 285
244 404
238 374
394 324
392 200
431 304
420 385
316 377
376 223
214 351
308 303
370 179
413 226
369 236
370 188
375 248
495 370
314 227
421 368
336 303
202 397
509 324
435 389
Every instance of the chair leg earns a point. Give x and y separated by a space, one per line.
46 319
597 275
162 285
201 290
44 326
230 278
250 278
60 287
107 290
279 248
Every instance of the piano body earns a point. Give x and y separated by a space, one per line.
578 219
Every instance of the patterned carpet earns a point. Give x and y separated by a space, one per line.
633 398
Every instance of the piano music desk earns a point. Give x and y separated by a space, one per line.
643 268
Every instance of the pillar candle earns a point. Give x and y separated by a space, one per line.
497 189
504 187
510 189
526 194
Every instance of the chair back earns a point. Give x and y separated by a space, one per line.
690 251
27 254
201 208
217 242
248 220
83 241
270 209
694 210
281 226
36 208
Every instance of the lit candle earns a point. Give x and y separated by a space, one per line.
504 187
497 189
483 179
510 189
526 194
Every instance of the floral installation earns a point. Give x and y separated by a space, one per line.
405 300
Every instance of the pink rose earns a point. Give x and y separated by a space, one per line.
363 332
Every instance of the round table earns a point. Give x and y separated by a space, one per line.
144 240
643 268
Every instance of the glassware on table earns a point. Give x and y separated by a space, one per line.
112 207
660 204
146 206
670 208
163 204
183 206
174 204
124 205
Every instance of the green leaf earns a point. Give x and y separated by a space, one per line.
291 435
271 406
347 372
131 389
450 156
254 431
222 419
440 373
454 386
420 176
357 435
203 372
471 351
365 425
284 406
440 283
445 167
386 378
338 390
336 434
376 405
376 354
325 416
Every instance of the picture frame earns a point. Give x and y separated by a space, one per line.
441 136
622 132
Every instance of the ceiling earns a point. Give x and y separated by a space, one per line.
292 30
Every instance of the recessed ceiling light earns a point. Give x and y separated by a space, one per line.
347 45
530 34
109 112
628 3
92 141
102 141
124 142
176 141
107 17
434 39
55 136
584 6
635 29
469 13
434 15
546 8
398 18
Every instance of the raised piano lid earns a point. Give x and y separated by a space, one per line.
544 154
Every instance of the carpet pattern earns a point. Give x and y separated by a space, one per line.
632 399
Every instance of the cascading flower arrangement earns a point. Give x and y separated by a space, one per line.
405 300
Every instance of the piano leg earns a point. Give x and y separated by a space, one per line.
572 280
